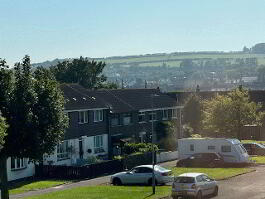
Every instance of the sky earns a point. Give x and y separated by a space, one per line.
49 29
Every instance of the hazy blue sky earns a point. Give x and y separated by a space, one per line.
49 29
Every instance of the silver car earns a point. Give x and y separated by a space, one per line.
196 185
143 175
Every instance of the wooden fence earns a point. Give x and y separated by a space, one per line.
92 170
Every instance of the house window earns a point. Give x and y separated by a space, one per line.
62 150
192 147
141 117
165 114
98 144
98 115
127 118
18 163
211 147
152 116
226 148
83 117
174 113
115 120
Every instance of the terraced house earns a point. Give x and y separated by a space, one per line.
101 121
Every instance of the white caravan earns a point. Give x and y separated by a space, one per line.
231 149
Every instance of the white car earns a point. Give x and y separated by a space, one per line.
143 175
195 185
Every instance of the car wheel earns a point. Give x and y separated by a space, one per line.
215 193
116 181
150 182
199 195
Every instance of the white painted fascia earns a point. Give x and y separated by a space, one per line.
159 109
91 109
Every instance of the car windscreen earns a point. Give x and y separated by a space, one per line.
160 168
184 179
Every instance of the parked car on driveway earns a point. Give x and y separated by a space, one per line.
195 185
202 160
254 148
143 175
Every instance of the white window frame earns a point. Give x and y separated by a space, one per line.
165 116
142 114
98 115
174 113
62 150
154 116
19 163
85 117
98 144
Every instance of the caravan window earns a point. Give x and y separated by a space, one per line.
226 148
211 147
192 147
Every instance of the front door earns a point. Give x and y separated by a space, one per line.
81 151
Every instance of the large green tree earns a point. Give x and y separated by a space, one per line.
226 115
82 71
33 107
3 128
167 133
192 112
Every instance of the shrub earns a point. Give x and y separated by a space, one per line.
130 148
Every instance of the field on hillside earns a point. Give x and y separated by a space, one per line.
174 59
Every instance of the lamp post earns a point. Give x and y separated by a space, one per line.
153 149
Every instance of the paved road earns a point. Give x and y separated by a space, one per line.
247 186
251 185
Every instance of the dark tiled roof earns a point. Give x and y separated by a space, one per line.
76 99
119 100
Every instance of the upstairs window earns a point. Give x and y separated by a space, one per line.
127 118
18 163
174 113
115 120
141 117
83 117
165 114
98 115
152 115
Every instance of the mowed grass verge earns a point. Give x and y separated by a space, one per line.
258 159
216 173
108 192
26 186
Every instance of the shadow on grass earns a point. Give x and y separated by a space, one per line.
20 183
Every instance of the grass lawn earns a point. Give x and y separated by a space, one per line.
258 159
25 186
216 173
108 192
